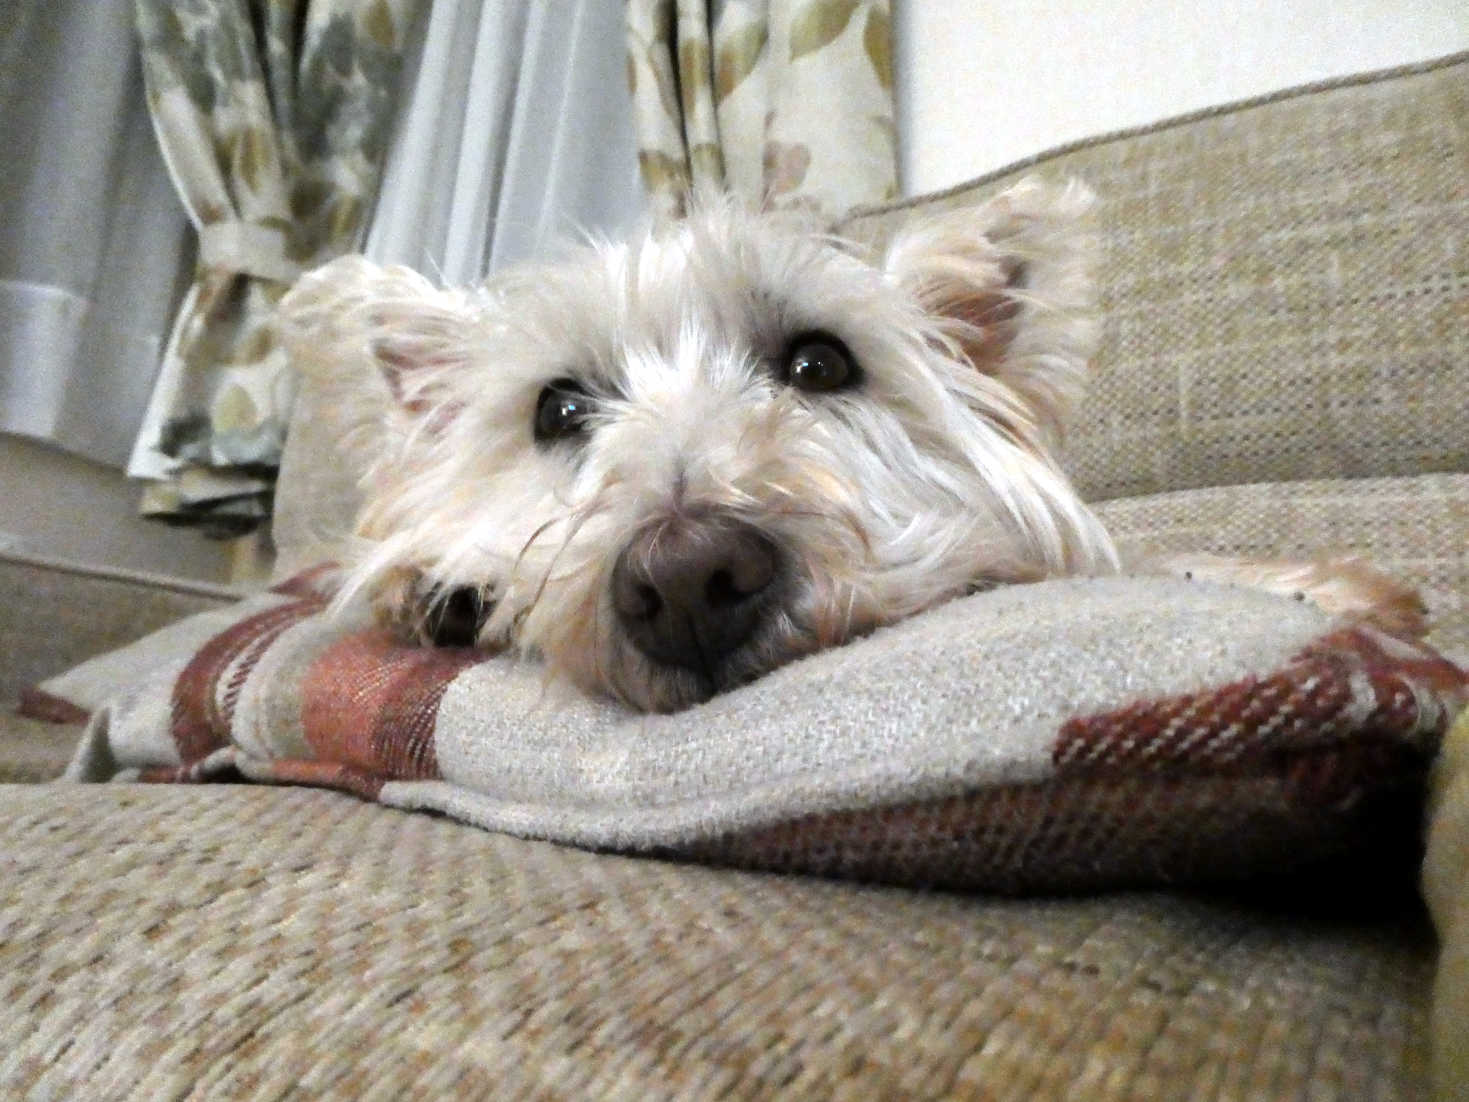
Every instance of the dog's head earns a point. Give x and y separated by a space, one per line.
671 465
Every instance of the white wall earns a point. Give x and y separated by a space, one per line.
986 84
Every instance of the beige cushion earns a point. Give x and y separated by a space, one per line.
1446 889
54 614
34 749
236 942
1282 286
1415 528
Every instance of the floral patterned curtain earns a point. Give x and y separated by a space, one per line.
273 116
787 103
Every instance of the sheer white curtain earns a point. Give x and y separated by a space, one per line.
93 243
515 133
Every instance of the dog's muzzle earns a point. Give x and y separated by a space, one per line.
691 590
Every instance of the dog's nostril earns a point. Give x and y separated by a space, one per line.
721 590
748 573
645 603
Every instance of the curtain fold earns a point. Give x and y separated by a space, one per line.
94 250
513 135
273 117
784 103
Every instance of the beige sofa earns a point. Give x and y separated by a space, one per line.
1284 371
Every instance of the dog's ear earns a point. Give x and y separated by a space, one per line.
1010 282
352 311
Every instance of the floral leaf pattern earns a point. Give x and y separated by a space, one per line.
274 117
818 24
784 103
740 52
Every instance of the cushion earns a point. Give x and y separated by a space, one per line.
1281 284
55 614
1446 889
32 749
1075 734
1414 528
236 942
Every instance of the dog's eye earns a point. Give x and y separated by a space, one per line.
454 618
561 411
819 362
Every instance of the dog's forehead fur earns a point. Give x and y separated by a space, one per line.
722 280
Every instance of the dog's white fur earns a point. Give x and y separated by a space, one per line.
933 477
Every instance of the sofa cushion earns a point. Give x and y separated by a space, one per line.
34 750
1446 889
55 614
1414 528
238 942
1073 734
1282 286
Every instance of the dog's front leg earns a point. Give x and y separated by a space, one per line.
1345 587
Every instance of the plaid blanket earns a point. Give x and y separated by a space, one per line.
1071 735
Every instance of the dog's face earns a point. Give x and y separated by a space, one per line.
672 465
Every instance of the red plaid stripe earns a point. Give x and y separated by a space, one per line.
371 704
201 714
1352 681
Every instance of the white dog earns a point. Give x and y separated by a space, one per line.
669 466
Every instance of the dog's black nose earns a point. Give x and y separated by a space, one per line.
689 591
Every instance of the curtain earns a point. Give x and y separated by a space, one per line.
785 103
273 117
513 135
94 250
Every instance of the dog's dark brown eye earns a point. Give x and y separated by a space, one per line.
819 362
561 411
454 618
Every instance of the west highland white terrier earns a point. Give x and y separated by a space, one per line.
670 465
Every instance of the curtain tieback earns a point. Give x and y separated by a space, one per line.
247 248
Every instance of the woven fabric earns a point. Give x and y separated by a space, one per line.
1415 529
1284 287
54 615
234 942
1071 735
34 750
1446 889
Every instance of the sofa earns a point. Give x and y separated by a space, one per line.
1283 373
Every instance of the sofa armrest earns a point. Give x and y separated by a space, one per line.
55 614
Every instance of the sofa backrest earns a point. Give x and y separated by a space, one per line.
1284 282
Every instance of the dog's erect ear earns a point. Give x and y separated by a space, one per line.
352 310
1010 281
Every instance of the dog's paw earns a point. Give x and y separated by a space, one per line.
1347 588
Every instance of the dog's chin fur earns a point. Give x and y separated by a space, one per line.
933 476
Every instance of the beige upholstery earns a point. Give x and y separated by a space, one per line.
350 952
1415 527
